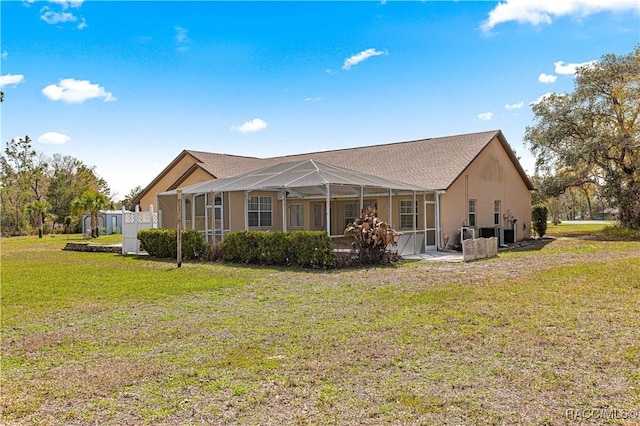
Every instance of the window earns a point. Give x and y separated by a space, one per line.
472 212
408 213
351 212
259 211
296 215
217 208
187 209
199 202
496 212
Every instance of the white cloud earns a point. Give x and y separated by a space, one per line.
182 38
537 12
541 98
74 91
251 126
485 116
511 107
65 4
318 99
59 14
52 18
546 78
11 79
181 34
359 57
5 54
54 138
570 69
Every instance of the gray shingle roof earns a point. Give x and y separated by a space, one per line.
428 163
297 175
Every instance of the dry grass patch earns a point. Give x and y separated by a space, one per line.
513 340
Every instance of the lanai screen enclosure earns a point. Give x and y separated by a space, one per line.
302 195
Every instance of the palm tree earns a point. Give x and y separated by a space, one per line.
92 202
39 210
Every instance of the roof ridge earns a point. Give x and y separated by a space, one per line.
194 152
488 132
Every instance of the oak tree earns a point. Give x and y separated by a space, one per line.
592 135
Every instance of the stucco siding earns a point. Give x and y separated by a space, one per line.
168 179
490 177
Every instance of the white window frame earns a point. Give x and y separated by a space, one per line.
497 212
473 213
408 219
348 216
263 211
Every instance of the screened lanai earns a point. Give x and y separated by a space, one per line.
301 195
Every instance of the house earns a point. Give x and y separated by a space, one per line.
432 190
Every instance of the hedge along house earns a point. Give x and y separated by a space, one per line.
472 180
301 195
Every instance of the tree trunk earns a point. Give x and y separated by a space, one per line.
94 225
40 225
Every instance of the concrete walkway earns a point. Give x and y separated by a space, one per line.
436 256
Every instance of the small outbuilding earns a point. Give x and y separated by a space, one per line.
109 222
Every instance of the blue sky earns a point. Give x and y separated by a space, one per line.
126 86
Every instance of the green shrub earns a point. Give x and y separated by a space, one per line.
161 243
539 213
310 249
307 249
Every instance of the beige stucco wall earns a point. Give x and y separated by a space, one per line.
234 211
171 177
490 177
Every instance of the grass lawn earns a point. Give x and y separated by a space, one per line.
97 338
577 228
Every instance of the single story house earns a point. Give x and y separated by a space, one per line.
431 190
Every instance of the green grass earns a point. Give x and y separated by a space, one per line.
569 228
110 339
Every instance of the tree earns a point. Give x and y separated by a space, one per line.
593 134
127 203
539 214
39 211
23 179
70 178
93 202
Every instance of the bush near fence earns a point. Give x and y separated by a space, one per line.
161 243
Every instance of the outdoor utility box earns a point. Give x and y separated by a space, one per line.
495 231
508 236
